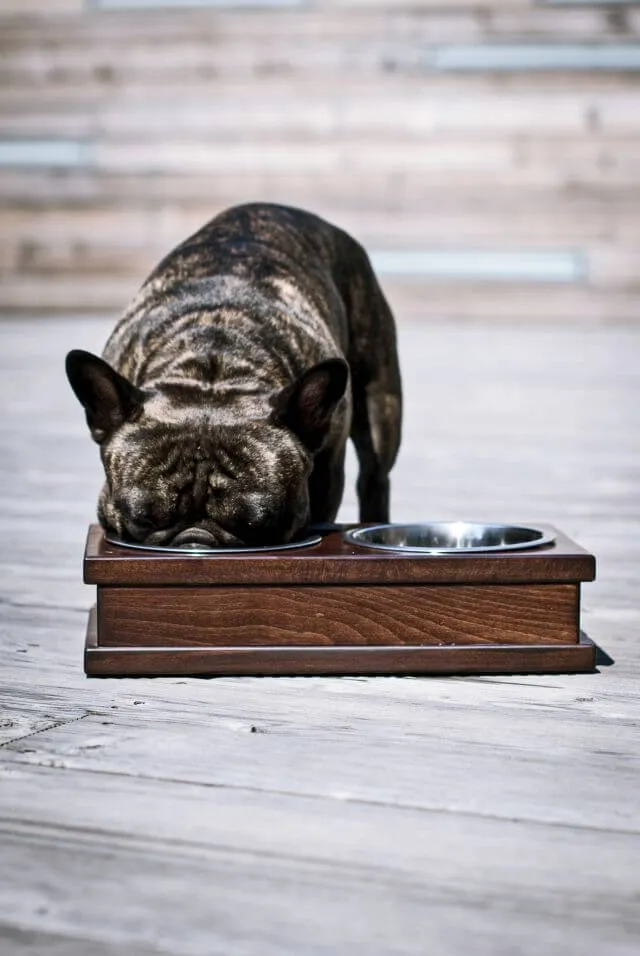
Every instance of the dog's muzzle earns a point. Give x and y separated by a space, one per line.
197 536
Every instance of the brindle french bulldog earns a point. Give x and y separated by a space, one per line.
226 393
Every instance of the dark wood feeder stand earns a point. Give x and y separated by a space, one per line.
335 608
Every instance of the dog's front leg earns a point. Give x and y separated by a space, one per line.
326 485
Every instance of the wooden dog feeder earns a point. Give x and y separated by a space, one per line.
336 608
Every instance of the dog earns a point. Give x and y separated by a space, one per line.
225 395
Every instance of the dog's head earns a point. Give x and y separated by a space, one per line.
182 470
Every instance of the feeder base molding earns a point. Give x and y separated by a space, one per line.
209 661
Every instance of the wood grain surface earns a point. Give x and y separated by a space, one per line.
333 616
388 816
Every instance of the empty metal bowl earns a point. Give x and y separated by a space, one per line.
199 549
448 537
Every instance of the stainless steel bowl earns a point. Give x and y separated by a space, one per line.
199 549
448 537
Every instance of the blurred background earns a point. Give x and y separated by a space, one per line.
485 152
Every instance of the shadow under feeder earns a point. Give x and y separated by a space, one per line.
336 608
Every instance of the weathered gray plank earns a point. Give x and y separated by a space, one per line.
308 890
448 108
562 765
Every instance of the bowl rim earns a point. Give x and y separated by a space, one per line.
203 551
541 538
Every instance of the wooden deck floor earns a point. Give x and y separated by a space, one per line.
332 816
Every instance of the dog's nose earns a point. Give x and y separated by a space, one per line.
195 537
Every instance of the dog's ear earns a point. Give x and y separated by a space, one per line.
306 406
107 397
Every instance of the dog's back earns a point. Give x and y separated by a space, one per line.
267 283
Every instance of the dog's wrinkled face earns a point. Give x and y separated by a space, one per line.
230 485
186 472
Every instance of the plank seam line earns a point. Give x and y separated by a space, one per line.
53 726
194 850
25 929
42 607
361 801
